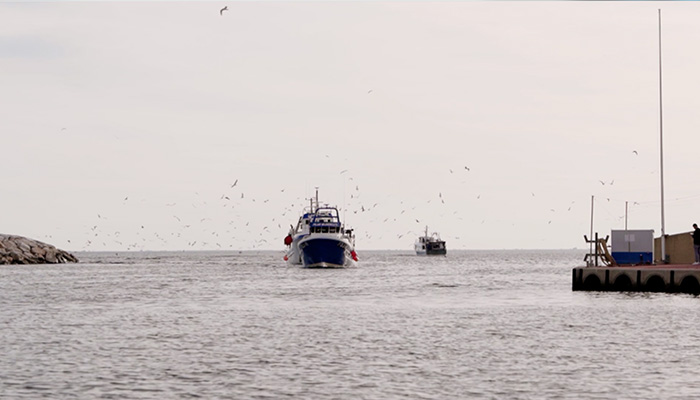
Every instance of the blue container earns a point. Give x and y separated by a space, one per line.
634 257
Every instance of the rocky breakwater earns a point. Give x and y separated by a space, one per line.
20 250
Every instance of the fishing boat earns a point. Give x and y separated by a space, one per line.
430 244
320 239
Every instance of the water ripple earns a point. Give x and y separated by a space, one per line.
229 326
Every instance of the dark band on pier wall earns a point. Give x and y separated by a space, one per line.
666 278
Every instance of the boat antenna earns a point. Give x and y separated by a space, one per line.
661 151
316 198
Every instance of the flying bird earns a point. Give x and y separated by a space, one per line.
234 183
221 12
635 152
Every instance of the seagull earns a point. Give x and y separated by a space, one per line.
635 152
234 183
467 168
221 12
369 91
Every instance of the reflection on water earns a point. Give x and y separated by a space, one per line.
474 324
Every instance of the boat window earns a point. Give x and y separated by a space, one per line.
325 229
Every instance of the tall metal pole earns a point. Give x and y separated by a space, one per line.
661 151
591 243
626 215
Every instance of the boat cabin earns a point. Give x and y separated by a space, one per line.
326 220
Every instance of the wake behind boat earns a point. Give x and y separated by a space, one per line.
320 239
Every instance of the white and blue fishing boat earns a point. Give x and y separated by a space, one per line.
320 239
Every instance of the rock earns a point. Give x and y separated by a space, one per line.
20 250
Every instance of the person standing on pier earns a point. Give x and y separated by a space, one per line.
696 243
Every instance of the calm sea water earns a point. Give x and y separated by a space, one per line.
474 324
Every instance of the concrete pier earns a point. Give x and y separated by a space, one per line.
669 278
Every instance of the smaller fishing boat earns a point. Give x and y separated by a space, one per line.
320 239
430 244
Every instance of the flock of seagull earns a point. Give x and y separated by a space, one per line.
201 225
208 237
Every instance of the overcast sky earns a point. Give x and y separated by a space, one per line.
125 125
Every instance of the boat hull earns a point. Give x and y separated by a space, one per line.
294 256
431 249
436 252
326 252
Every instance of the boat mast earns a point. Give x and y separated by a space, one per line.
316 199
661 151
